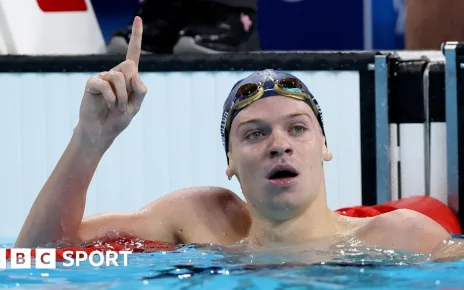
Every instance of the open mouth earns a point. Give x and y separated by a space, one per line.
282 175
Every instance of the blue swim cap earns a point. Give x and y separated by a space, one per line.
260 77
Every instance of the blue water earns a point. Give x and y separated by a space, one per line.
213 267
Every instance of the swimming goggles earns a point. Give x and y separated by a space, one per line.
251 92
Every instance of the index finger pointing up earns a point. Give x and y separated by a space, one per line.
135 43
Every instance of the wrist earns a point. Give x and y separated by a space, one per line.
92 142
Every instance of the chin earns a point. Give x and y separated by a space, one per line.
282 206
285 202
287 192
282 212
290 202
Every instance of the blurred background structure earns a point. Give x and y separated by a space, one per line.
87 27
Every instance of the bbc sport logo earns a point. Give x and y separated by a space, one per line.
46 258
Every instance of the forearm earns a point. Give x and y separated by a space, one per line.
58 209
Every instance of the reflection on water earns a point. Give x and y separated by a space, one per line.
345 265
449 250
344 251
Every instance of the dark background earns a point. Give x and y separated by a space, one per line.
303 25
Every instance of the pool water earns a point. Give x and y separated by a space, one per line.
348 266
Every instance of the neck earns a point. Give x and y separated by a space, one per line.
317 222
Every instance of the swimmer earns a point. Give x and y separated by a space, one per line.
275 146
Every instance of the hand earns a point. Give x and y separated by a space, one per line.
113 98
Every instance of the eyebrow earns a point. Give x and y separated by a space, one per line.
290 116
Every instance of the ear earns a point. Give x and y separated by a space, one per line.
326 154
231 170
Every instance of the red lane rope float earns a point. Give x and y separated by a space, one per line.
429 206
120 244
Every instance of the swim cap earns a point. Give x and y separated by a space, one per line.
265 77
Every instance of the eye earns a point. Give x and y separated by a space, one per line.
254 135
299 129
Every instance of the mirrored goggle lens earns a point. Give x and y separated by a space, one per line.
246 91
291 85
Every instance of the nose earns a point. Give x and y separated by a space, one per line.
280 146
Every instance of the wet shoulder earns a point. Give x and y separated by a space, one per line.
188 195
199 195
350 226
207 215
402 229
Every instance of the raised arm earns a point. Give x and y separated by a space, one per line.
109 103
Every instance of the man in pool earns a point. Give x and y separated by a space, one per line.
275 146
